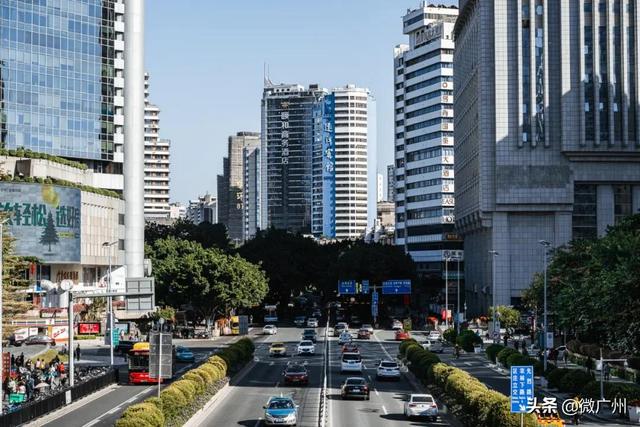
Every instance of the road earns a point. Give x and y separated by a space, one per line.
242 403
104 407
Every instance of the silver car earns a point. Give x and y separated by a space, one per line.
421 405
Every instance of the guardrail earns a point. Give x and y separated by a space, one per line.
322 419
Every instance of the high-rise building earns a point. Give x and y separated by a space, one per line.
203 209
391 183
286 155
424 138
380 197
547 133
251 193
177 211
156 163
323 192
223 193
237 145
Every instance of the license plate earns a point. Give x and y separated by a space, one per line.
356 389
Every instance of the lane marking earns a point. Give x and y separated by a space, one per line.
384 410
114 410
376 391
257 422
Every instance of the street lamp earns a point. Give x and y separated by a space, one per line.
546 245
496 333
110 301
457 258
2 223
446 292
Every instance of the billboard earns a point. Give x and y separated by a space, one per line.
45 220
89 328
396 287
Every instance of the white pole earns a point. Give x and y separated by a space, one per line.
601 376
458 294
544 340
160 360
1 314
446 292
110 302
71 352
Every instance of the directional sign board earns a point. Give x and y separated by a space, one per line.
374 303
115 336
365 287
347 287
154 354
396 287
521 388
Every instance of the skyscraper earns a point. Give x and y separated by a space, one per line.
223 193
251 193
286 155
424 138
391 183
380 194
156 163
547 132
323 192
237 145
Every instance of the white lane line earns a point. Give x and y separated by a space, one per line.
376 391
384 410
257 422
96 421
271 363
114 410
468 363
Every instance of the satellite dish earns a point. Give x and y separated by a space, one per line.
66 285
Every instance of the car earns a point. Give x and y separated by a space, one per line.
340 328
388 369
434 335
351 362
299 321
402 335
364 334
421 405
296 373
278 349
39 340
306 347
269 330
280 411
396 324
355 387
368 327
434 346
183 354
310 334
317 313
344 338
312 322
350 347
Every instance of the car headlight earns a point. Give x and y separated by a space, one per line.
291 417
269 417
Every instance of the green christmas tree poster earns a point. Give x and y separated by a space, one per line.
49 234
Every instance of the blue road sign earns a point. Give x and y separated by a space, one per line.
396 287
521 388
374 303
365 286
347 287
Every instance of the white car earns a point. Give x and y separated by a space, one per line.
421 405
368 327
396 325
312 322
351 362
306 347
344 338
388 369
269 330
434 346
340 328
435 335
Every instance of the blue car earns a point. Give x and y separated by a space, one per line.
183 354
280 411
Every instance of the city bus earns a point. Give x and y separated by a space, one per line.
139 364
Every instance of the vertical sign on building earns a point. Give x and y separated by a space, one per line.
328 167
284 135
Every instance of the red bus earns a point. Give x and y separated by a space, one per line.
139 364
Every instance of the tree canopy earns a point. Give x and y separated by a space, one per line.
207 234
594 288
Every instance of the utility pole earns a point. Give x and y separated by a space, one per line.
1 302
546 246
446 292
496 333
458 295
109 245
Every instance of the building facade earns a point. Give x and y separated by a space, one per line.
251 193
547 132
323 192
391 183
286 155
424 140
203 209
380 193
239 146
223 193
156 163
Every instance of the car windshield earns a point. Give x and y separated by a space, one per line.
351 357
268 327
389 364
355 381
296 370
305 343
300 318
309 332
422 399
281 404
366 326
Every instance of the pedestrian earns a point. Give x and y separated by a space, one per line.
77 352
21 359
13 360
506 340
578 408
607 371
589 364
516 344
565 357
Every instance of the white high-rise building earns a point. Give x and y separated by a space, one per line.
379 188
156 163
424 199
351 166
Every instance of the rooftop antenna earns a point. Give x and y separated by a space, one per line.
267 80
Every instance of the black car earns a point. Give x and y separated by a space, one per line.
39 340
296 374
355 387
310 334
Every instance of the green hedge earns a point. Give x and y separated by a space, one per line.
504 354
62 183
404 345
467 339
517 359
612 390
573 381
493 350
185 396
450 335
21 152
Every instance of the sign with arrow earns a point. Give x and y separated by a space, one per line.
396 287
374 303
521 388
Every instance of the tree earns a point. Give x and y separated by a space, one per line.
509 316
49 234
207 234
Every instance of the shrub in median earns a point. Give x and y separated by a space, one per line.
196 380
612 391
145 413
467 339
574 381
493 350
404 345
555 376
504 354
450 335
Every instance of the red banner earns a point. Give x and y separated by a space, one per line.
6 365
89 328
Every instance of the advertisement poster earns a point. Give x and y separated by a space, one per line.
44 220
89 328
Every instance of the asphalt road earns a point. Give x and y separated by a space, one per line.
106 409
242 405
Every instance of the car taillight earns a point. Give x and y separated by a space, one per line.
365 388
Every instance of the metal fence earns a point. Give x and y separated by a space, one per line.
32 410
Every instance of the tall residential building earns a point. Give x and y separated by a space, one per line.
391 183
223 193
237 145
203 209
251 193
156 163
286 155
547 132
424 138
380 197
177 211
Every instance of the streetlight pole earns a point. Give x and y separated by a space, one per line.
1 302
446 292
496 333
109 245
545 246
458 295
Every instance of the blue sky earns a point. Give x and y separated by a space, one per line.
206 61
